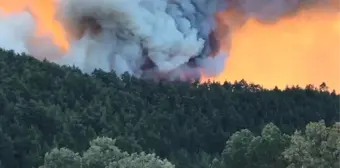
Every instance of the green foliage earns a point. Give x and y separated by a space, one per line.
43 105
63 157
318 146
103 153
244 150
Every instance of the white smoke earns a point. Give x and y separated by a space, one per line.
15 30
166 33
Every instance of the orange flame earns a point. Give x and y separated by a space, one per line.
44 13
294 51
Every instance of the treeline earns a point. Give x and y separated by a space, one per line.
43 106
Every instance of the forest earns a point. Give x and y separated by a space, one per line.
55 116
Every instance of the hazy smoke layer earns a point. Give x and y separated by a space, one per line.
170 39
269 11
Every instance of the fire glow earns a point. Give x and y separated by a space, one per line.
299 50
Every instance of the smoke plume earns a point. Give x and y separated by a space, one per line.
174 40
159 39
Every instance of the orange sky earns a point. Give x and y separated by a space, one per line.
294 51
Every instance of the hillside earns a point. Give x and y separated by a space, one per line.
43 105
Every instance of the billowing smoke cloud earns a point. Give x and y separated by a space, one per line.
170 39
147 38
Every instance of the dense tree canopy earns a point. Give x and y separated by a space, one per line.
43 106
